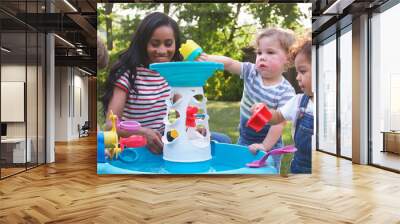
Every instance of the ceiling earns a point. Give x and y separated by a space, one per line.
328 15
74 22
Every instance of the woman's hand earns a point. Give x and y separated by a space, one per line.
254 148
153 138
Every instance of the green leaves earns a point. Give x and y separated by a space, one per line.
219 28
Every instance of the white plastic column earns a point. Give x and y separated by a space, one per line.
189 146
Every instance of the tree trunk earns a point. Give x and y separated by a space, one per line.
167 7
235 19
108 12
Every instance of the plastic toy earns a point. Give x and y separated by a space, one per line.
109 139
191 116
172 116
101 156
187 148
190 50
133 141
286 161
171 135
200 116
125 125
260 118
182 140
261 162
128 125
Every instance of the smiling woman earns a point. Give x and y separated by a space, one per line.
161 47
133 92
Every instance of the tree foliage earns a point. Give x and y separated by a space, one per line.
220 28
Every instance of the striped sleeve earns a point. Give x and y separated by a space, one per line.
247 69
287 94
123 82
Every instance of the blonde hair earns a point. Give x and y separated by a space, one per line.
303 46
285 37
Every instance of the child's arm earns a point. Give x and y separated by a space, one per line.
230 65
274 133
277 116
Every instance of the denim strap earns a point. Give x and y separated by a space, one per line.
302 109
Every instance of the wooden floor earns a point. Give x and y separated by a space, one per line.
386 159
70 191
10 171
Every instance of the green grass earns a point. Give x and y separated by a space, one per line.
224 118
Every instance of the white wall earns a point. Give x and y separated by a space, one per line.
61 103
71 93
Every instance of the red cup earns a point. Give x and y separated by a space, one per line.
260 118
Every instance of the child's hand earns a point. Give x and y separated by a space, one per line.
255 106
254 148
203 57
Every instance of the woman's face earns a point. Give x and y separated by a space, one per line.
161 46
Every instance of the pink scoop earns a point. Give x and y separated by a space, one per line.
261 162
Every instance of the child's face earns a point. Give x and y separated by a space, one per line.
271 58
303 69
161 46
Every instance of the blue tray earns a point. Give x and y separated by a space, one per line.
226 159
187 73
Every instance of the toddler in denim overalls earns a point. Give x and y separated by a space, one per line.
299 109
302 138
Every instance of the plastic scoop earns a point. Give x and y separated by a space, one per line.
133 141
262 162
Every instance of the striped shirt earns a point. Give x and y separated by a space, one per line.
148 106
256 92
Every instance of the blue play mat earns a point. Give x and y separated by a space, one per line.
226 159
186 73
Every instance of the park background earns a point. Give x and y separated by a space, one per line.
219 28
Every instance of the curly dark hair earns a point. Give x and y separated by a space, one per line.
302 46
